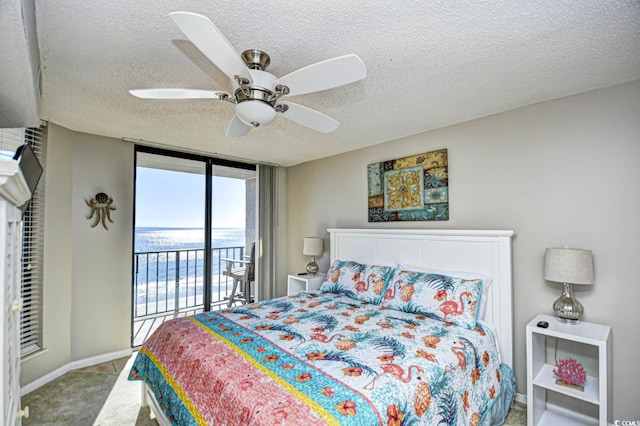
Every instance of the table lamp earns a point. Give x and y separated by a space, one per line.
568 266
312 247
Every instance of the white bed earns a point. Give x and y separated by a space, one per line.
487 252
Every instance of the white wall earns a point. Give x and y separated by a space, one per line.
101 270
87 271
58 180
560 172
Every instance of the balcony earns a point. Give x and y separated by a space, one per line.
170 284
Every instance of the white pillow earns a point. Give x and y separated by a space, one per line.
486 281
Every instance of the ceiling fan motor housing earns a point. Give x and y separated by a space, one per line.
255 106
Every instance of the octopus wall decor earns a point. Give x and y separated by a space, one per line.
100 208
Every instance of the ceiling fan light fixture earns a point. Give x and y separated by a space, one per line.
257 94
255 113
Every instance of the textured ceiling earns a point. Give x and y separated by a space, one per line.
18 64
429 64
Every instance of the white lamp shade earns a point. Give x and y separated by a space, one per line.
573 266
312 246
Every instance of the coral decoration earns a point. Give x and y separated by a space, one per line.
570 371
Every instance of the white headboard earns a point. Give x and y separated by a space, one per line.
483 251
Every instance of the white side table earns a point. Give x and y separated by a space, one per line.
298 283
540 377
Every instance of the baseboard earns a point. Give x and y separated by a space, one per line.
74 365
43 380
98 359
521 398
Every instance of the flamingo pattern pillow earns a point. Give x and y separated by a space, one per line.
358 281
448 299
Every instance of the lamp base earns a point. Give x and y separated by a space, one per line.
567 308
567 321
312 268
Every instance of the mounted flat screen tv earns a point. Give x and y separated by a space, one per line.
30 167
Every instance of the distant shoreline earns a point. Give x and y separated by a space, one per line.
177 228
154 239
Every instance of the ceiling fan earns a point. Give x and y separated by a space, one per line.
257 94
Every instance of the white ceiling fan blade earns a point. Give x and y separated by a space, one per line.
310 118
324 75
237 128
177 94
215 46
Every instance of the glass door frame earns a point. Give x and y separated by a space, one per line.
209 163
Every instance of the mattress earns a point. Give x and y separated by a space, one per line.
323 358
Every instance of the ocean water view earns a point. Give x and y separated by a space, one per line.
161 239
169 267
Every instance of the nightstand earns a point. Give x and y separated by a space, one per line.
541 382
298 283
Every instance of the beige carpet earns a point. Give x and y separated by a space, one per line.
97 395
101 395
122 406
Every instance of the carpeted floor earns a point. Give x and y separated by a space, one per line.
101 395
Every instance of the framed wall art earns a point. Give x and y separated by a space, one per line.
412 188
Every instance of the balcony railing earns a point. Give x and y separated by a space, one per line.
170 283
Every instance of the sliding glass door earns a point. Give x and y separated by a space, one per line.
233 213
191 213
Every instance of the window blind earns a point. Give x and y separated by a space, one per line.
32 239
10 140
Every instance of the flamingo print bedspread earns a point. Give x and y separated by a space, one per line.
316 359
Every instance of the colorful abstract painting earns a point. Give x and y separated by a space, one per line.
409 188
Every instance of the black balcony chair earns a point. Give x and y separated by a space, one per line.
242 277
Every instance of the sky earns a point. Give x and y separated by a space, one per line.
172 199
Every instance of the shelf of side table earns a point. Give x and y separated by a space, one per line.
540 377
298 283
